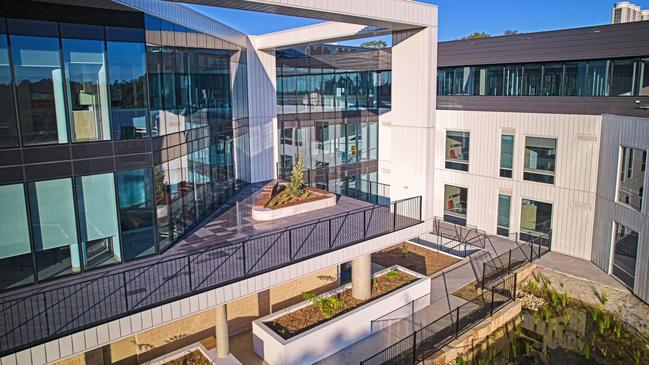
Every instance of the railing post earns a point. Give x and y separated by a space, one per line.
243 248
492 301
290 245
364 225
515 283
394 223
189 268
531 251
125 292
414 348
47 317
484 270
457 322
509 264
331 241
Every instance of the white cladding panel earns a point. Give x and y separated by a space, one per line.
620 131
572 195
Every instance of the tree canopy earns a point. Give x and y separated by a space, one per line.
374 44
477 35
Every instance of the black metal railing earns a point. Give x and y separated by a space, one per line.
40 316
361 189
516 257
469 235
425 342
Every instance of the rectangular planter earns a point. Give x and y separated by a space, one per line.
336 334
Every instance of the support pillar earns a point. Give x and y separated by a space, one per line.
362 277
222 336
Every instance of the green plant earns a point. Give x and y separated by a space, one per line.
392 275
532 286
565 321
586 351
459 360
617 329
554 298
603 297
528 349
563 297
637 356
594 313
295 187
403 250
326 305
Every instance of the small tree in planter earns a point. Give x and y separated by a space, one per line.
295 187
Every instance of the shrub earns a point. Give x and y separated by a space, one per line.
392 275
326 305
295 186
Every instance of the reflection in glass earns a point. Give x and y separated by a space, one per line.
506 155
536 219
598 78
532 79
513 78
39 89
15 250
457 150
622 78
540 157
135 190
552 76
574 80
495 80
633 164
87 92
128 94
455 204
97 209
504 206
644 77
8 128
625 243
54 226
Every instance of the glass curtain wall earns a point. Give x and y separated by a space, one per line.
15 247
618 77
8 125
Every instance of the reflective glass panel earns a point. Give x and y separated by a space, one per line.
457 150
633 164
622 78
8 128
135 190
97 207
128 90
54 228
540 157
644 78
625 242
574 80
455 204
536 219
15 249
87 93
506 155
504 206
39 89
552 76
597 80
532 79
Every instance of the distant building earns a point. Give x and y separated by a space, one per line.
625 12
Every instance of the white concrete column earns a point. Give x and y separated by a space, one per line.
222 336
362 277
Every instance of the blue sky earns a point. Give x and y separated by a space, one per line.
458 18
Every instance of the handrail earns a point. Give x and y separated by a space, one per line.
36 317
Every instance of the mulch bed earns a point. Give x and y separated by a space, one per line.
310 316
277 197
414 257
193 358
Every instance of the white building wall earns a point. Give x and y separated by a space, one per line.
572 196
262 104
620 131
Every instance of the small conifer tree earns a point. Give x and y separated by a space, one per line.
296 183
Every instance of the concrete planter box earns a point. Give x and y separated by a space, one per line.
209 355
260 212
336 334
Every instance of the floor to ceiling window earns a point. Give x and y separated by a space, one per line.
536 220
625 254
8 125
15 247
455 204
631 177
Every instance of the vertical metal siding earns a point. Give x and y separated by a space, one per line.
572 196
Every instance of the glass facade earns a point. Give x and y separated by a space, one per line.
540 158
457 150
617 77
625 254
455 204
178 96
506 155
630 187
329 99
536 219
